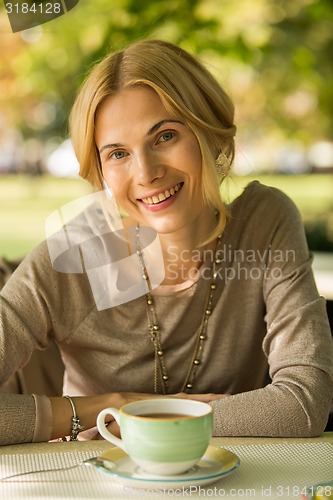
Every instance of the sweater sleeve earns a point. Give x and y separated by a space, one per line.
23 418
34 308
298 342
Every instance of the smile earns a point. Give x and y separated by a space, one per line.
158 198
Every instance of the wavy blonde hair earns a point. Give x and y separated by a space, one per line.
185 87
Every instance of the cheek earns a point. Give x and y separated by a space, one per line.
113 180
194 157
120 189
117 190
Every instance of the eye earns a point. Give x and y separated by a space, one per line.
118 155
166 136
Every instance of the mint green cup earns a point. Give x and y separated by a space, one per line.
164 436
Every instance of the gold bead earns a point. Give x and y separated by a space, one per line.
202 337
196 362
155 328
208 312
165 377
160 353
149 302
145 276
218 261
213 286
189 386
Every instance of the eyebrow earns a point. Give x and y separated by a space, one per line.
151 131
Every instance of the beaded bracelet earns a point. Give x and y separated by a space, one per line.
76 426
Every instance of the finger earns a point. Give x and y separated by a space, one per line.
113 427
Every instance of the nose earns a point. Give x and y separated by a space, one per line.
148 168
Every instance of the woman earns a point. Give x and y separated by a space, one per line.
237 298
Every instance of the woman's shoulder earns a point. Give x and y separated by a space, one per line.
258 199
261 214
39 270
37 257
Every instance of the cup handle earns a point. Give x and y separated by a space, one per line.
103 429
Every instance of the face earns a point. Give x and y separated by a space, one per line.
151 161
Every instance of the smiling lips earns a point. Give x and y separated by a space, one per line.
158 198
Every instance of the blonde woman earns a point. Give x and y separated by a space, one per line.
237 300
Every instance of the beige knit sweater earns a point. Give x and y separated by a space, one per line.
267 316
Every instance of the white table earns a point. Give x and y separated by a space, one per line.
270 468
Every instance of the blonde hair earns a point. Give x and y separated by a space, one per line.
185 87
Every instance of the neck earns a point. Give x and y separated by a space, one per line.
183 252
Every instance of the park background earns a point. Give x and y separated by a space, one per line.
274 57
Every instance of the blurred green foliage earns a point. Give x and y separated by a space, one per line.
25 204
274 57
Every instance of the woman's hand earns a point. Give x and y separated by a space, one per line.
204 398
87 408
124 398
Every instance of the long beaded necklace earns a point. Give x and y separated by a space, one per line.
160 372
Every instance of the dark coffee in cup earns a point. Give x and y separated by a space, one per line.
165 415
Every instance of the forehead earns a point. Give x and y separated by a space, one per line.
132 103
130 114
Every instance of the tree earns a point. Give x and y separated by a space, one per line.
274 57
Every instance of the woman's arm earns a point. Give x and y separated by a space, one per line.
87 408
289 407
298 342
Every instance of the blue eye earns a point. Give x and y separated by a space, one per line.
118 155
166 136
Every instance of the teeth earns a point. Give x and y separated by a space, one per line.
161 196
